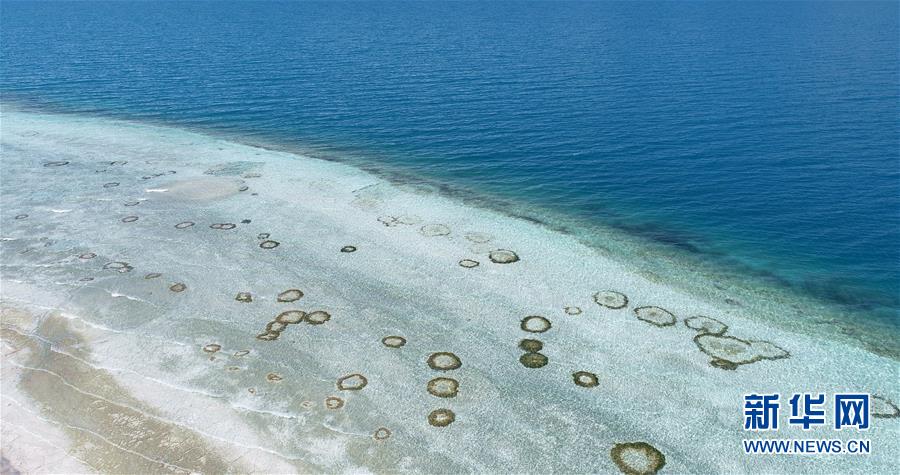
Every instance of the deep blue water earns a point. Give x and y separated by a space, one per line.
764 134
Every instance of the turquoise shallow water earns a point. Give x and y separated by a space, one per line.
758 139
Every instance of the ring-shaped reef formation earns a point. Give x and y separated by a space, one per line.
152 275
441 417
707 325
883 408
262 236
178 287
534 360
87 255
503 256
21 216
240 353
585 379
291 317
352 382
611 299
275 326
118 266
479 238
348 249
129 219
572 310
274 378
110 185
535 324
531 345
268 336
468 263
334 402
56 164
382 433
444 361
131 203
655 315
212 347
637 458
184 224
393 341
432 230
317 317
244 297
223 226
729 352
443 387
290 295
269 244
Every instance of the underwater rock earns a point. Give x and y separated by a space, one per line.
262 236
468 263
444 361
655 315
503 256
222 226
244 297
530 345
269 244
884 408
56 164
382 433
129 219
393 341
533 360
291 317
443 387
87 255
212 347
334 402
535 324
110 185
290 295
21 216
585 379
611 299
317 317
352 382
178 287
707 325
432 230
131 203
637 458
184 224
348 249
441 417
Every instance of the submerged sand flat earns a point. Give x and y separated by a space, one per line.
173 302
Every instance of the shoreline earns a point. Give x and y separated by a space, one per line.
706 275
404 276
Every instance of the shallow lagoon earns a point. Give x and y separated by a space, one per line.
147 322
